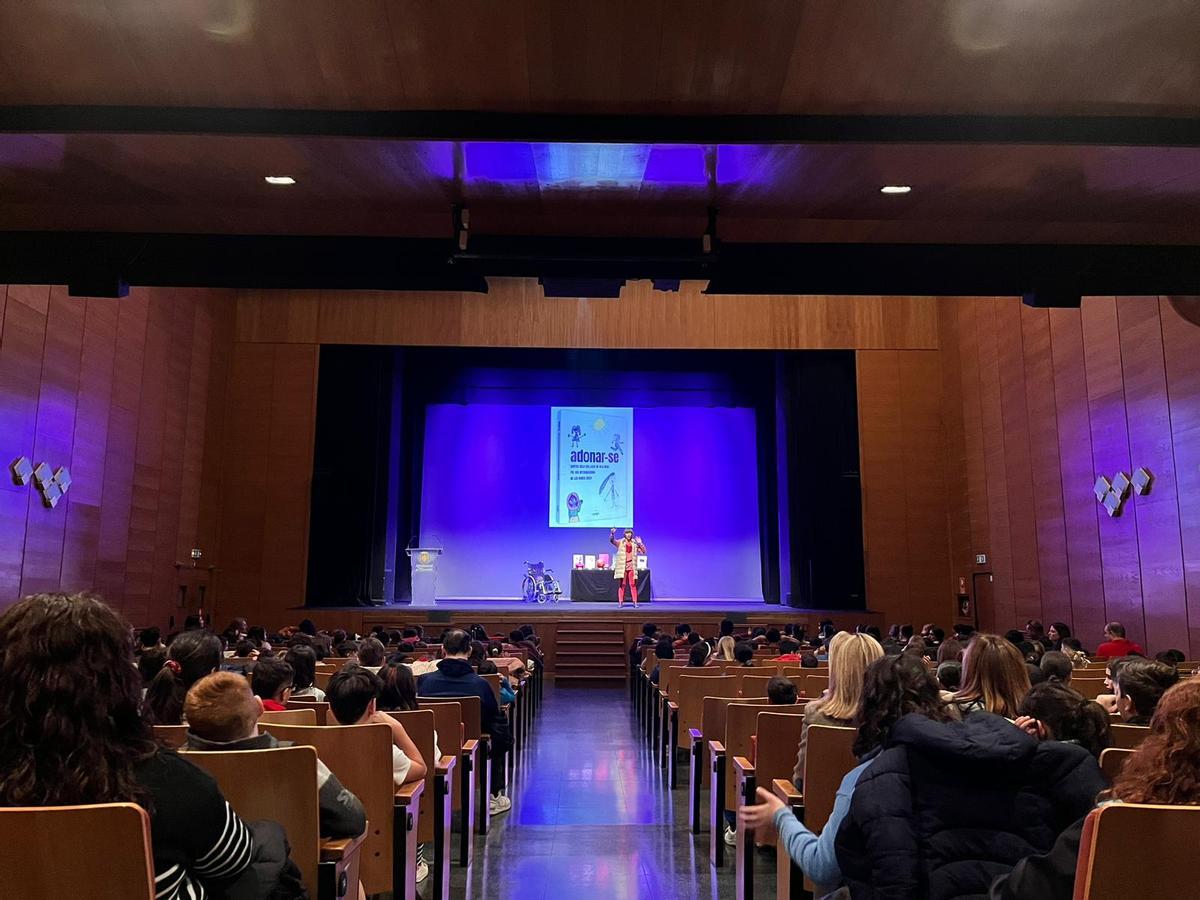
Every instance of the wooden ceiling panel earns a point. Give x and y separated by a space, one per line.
886 57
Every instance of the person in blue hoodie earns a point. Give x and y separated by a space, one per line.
893 687
946 807
455 677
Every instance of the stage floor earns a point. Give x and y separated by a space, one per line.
567 607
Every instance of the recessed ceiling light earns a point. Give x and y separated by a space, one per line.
895 189
279 179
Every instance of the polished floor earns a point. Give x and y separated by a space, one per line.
592 818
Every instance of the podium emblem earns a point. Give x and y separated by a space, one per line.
423 557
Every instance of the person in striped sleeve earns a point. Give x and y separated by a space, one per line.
71 733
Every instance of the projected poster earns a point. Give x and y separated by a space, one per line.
591 467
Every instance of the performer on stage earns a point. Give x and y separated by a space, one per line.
625 565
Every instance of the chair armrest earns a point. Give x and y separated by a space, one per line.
742 766
470 747
672 706
716 748
787 792
695 736
410 794
335 850
446 765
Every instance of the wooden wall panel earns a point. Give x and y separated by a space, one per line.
1018 470
102 386
904 501
1181 352
516 314
955 462
1107 388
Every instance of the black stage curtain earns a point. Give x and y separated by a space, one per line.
818 398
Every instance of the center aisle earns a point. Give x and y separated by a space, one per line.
591 817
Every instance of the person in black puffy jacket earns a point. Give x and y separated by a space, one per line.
947 807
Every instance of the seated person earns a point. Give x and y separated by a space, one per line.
246 649
353 695
303 661
507 694
371 654
698 655
454 677
222 714
663 651
1057 665
272 681
949 676
782 691
808 660
681 635
1051 711
743 652
1140 684
789 650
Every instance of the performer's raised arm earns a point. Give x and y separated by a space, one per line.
612 537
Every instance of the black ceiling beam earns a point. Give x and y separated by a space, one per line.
465 125
371 263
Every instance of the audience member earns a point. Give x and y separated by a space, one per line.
1074 651
664 651
946 807
371 654
303 661
782 691
149 638
353 697
454 677
698 655
1116 644
1164 769
726 628
1057 665
950 651
789 650
1035 632
1053 712
149 662
1057 633
725 648
743 652
1036 674
849 656
222 714
1140 684
949 676
681 634
271 681
71 733
808 660
994 677
1170 657
893 687
191 656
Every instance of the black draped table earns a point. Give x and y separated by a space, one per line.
600 586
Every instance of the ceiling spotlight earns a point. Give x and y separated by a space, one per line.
279 179
895 189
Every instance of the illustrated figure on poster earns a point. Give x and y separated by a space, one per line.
576 436
617 446
629 547
608 490
574 504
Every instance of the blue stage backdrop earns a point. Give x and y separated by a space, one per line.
485 478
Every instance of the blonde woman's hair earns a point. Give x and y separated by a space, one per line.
995 675
725 648
849 657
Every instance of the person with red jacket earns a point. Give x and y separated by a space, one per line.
1115 643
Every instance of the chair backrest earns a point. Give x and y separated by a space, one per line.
419 724
320 710
335 661
171 736
692 672
713 710
290 716
1112 761
826 763
493 681
1162 840
1128 737
778 732
278 784
741 724
692 691
815 685
448 723
1090 688
472 713
322 679
361 758
108 838
755 685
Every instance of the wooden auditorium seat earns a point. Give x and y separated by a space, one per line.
1091 688
1125 847
473 735
827 760
320 709
712 722
113 838
170 736
741 726
1112 760
1128 737
289 716
685 711
667 693
281 785
815 685
777 737
756 685
361 758
436 801
448 721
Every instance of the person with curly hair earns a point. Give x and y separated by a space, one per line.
71 733
892 687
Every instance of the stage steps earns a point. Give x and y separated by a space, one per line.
590 651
